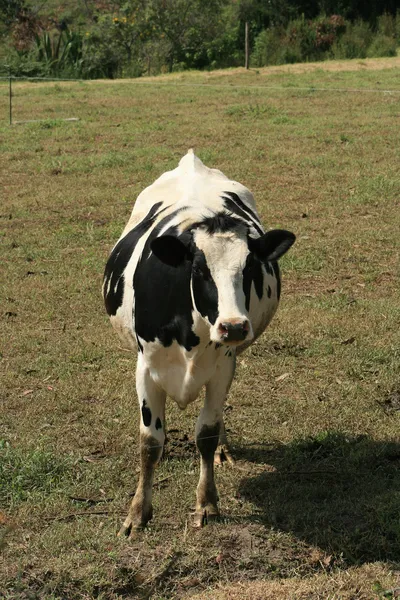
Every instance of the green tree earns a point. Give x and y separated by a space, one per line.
113 46
185 24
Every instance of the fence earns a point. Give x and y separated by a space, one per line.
10 78
142 81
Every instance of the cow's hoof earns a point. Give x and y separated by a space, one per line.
205 515
131 530
125 529
222 454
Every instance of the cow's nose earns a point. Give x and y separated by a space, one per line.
234 331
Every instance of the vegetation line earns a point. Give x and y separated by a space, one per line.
148 37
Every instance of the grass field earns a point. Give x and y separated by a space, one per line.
312 509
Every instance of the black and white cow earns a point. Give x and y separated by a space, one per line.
192 281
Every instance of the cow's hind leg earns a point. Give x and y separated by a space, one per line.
152 435
208 429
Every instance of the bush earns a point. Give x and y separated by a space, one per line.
397 27
386 25
314 39
25 64
302 34
268 48
382 45
354 43
303 40
153 55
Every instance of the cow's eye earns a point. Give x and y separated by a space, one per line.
204 273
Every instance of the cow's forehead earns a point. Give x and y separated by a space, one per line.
227 249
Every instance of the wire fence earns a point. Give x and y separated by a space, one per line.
12 78
178 84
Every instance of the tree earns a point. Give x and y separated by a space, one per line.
185 24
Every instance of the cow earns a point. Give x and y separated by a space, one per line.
192 281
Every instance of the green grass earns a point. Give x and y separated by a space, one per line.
28 474
315 501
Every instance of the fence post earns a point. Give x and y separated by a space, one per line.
10 91
246 45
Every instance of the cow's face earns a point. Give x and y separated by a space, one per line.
217 283
219 257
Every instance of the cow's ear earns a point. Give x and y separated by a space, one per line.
272 245
170 250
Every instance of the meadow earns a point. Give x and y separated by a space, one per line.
311 511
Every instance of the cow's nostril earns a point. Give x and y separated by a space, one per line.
234 331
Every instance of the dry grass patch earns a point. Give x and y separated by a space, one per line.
363 584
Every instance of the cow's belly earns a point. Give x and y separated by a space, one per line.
179 373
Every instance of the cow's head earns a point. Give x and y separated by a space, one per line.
222 257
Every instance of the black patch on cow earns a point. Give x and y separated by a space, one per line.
146 414
268 268
269 291
217 345
204 289
119 258
163 303
139 344
207 441
218 223
233 203
277 274
158 423
252 272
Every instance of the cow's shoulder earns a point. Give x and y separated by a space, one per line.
163 301
113 284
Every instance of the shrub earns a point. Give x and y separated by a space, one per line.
268 48
382 45
386 25
24 64
354 42
397 27
303 40
302 33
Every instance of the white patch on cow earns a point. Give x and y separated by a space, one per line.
180 373
190 184
226 254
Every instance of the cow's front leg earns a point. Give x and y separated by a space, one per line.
223 453
152 435
208 429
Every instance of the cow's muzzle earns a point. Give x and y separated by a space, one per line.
232 332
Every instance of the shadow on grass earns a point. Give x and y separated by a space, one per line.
338 492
